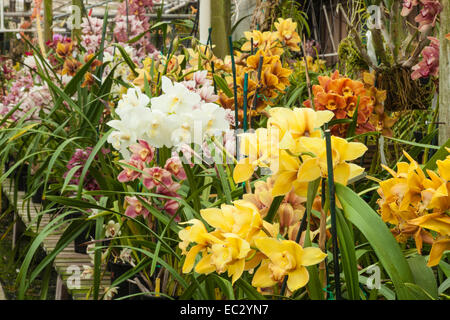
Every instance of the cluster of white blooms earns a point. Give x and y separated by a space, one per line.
175 118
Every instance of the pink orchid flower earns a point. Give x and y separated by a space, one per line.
129 174
429 66
135 208
156 176
175 167
408 6
428 15
142 151
171 206
207 94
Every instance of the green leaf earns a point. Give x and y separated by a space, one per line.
315 290
418 293
252 293
224 183
222 84
413 143
297 92
444 286
127 58
273 208
441 154
348 256
445 267
423 275
363 217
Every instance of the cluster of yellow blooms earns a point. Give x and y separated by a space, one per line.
292 147
412 203
274 77
241 241
285 35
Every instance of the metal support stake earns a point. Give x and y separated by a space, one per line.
331 192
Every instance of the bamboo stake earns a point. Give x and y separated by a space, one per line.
255 98
308 80
233 67
329 28
322 242
244 107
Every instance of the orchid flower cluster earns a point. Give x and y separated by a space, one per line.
177 117
285 35
131 22
428 14
78 159
242 241
91 29
414 203
429 66
162 181
292 148
342 96
28 94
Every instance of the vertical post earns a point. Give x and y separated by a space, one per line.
204 20
2 22
76 31
221 15
48 20
59 287
444 71
331 193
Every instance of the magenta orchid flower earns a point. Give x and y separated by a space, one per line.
408 6
142 151
429 66
428 15
135 208
175 167
156 176
171 206
128 174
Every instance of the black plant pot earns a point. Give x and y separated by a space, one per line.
118 269
22 173
8 163
85 236
80 246
37 196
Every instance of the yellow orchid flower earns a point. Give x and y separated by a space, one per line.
315 165
285 258
287 34
413 203
439 222
444 168
266 41
230 255
298 122
438 248
230 247
198 234
261 149
286 177
312 152
242 218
